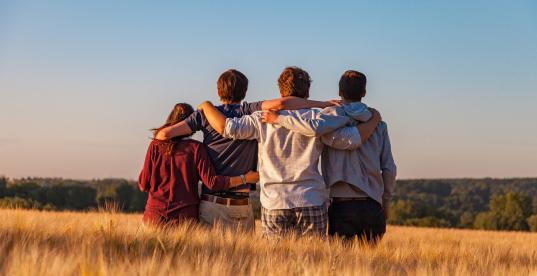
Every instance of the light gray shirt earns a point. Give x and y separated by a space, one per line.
289 161
368 170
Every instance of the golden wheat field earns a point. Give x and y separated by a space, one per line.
107 243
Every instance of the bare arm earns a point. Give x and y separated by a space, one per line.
215 118
293 103
179 129
368 128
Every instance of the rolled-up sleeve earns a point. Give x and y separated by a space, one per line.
388 168
347 138
243 128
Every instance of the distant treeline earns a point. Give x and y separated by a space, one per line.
494 204
66 194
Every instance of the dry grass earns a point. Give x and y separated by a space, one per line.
65 243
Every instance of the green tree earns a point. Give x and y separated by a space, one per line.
532 223
401 211
3 186
81 197
17 202
507 212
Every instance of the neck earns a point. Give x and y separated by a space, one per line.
350 101
228 102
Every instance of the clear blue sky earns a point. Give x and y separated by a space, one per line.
82 82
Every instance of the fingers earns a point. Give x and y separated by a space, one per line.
270 116
335 102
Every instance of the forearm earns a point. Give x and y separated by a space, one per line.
293 103
215 118
367 129
179 129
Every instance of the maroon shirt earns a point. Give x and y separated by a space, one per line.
172 180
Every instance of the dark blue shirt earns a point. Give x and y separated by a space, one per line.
229 157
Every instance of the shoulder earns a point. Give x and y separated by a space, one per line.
333 110
249 108
195 119
382 128
191 142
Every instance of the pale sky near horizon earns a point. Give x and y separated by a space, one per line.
82 82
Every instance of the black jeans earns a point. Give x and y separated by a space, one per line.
363 219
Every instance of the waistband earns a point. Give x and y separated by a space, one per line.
225 200
344 199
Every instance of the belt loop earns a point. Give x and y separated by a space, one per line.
228 202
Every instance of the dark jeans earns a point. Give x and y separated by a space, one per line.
357 218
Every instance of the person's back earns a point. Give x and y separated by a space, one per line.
288 162
172 170
230 157
361 179
361 191
369 160
293 193
171 179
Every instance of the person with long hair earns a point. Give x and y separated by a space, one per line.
171 173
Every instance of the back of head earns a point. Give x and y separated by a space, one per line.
352 85
232 86
294 81
179 112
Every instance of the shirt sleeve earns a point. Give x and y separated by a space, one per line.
195 121
312 123
249 108
243 128
207 172
347 138
144 180
388 168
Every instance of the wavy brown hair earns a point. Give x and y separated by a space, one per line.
180 112
294 81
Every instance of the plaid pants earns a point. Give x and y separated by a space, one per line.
301 221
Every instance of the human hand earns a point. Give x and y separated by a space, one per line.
252 177
375 115
335 102
270 116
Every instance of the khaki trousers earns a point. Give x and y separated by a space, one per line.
233 216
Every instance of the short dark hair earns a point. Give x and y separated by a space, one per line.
232 86
352 85
294 81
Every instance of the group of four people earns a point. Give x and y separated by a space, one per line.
283 139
